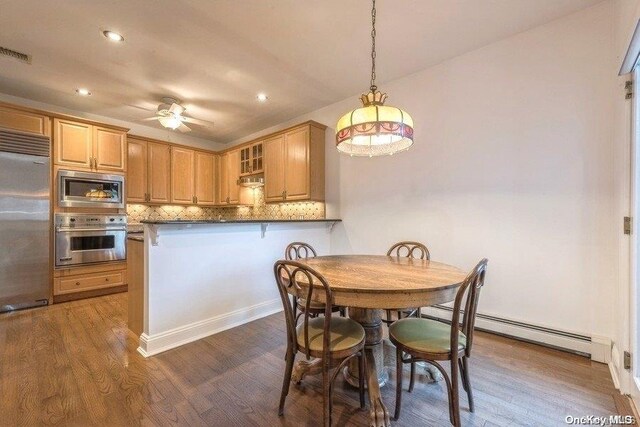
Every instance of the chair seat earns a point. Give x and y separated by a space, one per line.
424 335
345 334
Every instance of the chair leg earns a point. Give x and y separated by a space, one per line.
455 398
396 416
361 375
399 315
413 376
287 379
419 313
326 394
466 381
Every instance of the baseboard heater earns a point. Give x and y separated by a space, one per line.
584 339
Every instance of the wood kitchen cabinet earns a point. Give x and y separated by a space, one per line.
204 178
83 146
182 173
149 170
294 164
109 149
137 176
230 192
24 120
159 173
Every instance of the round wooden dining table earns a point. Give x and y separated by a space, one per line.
367 284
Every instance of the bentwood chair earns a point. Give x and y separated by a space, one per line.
407 249
429 341
334 341
301 250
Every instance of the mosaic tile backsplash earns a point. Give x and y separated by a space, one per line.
259 210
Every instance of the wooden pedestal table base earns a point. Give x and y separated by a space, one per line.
377 375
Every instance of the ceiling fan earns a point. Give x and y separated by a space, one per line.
170 115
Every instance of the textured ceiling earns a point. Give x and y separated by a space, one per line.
217 55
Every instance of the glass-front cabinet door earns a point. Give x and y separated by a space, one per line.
251 159
256 158
245 161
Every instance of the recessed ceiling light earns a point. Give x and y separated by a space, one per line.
262 97
83 92
113 36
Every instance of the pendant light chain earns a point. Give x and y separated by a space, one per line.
373 47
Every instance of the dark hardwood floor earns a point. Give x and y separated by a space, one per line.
76 364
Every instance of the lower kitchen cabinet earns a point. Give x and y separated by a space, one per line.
94 279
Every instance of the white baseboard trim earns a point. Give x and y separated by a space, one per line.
151 345
598 348
614 375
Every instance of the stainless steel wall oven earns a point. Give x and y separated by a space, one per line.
87 238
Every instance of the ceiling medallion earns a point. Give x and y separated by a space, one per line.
374 129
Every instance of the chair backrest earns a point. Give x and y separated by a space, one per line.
410 250
470 289
299 250
301 281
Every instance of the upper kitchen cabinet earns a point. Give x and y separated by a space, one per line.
251 159
83 146
158 173
230 192
205 165
137 175
110 149
24 120
182 176
294 164
148 171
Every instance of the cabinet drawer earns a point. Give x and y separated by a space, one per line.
65 285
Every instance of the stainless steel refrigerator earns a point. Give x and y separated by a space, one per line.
24 220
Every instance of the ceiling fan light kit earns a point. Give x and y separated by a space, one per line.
374 129
170 115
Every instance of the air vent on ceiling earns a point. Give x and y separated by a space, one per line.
15 55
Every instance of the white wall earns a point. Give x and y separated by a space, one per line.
135 128
513 161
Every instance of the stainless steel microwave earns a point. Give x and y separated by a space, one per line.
90 190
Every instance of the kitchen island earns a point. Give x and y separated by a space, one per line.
191 279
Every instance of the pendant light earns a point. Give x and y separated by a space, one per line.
374 129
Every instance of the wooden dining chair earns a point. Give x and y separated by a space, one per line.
300 250
425 340
334 341
407 249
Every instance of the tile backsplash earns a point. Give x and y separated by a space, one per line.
259 210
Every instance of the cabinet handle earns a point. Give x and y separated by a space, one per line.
227 199
106 280
77 283
95 163
147 197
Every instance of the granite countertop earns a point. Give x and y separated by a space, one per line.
136 237
234 221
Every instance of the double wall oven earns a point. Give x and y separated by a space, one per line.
89 238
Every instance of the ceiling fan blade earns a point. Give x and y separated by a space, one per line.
197 121
176 109
148 119
184 128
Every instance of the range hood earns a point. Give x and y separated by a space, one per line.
251 181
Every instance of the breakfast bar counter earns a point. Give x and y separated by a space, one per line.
191 279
